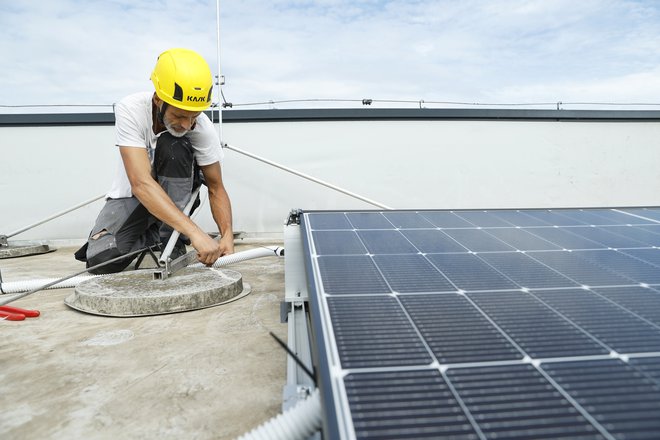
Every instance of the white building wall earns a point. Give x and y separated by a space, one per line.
404 164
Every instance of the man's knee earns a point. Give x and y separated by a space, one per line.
102 247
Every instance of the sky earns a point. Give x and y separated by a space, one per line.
334 53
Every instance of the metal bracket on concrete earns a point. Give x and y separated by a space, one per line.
3 240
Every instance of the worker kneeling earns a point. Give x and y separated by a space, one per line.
168 147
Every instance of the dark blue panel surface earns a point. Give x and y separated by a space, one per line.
637 235
650 256
555 218
519 218
482 218
469 272
405 405
477 240
647 213
332 220
599 217
625 265
445 219
650 366
369 220
606 238
407 220
539 331
517 402
626 403
338 243
412 273
375 332
642 301
580 270
433 241
616 328
565 238
386 242
525 271
456 331
416 359
351 274
522 240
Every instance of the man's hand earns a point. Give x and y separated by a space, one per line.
227 244
208 250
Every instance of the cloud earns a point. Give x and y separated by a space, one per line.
73 51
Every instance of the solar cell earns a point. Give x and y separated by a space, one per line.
469 272
482 218
386 242
331 220
433 241
445 219
636 235
521 240
517 402
405 405
338 243
606 238
630 267
624 401
478 240
649 215
518 218
369 220
375 332
407 220
538 330
579 269
613 326
456 331
412 273
565 238
525 271
350 274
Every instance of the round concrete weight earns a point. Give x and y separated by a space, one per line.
136 293
13 250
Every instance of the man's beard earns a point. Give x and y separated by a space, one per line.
172 131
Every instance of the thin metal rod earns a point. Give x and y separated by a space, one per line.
175 234
294 357
220 78
52 283
59 214
307 176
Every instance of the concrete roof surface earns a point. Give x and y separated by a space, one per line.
213 373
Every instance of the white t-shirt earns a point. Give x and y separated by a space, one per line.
133 127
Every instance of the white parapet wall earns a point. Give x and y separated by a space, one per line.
442 161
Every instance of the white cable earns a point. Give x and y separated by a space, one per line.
28 285
245 255
297 423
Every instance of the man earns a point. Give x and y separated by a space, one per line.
164 140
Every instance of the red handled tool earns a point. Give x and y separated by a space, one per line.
16 314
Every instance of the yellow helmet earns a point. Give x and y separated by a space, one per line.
182 78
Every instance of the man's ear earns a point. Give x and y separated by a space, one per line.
157 100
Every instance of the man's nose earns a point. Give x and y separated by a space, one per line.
187 123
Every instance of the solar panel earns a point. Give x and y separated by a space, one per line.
486 324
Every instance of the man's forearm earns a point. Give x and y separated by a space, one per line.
221 211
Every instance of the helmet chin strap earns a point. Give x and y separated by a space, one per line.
161 112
